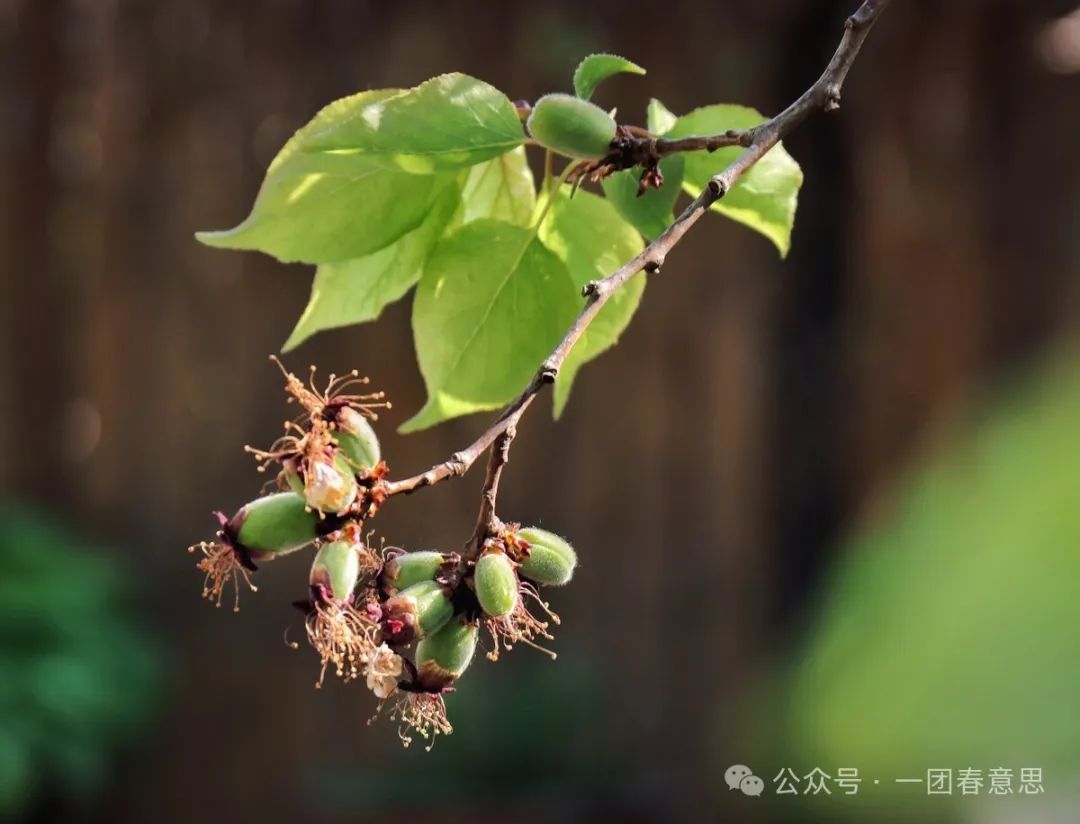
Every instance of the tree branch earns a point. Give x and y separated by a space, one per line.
824 94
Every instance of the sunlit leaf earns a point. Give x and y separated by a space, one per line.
356 291
765 197
449 122
362 173
491 304
501 188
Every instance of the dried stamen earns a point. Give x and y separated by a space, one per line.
222 566
315 401
343 638
521 625
420 713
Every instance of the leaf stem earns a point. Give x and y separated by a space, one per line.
542 212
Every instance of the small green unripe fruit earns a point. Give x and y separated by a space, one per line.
548 559
571 126
443 656
335 570
357 440
415 612
273 525
402 571
496 584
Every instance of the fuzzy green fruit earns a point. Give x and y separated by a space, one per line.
547 559
402 571
357 440
496 584
273 525
571 126
415 612
442 657
335 571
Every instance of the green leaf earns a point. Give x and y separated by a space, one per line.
659 118
598 67
765 197
590 237
355 291
449 122
501 188
654 210
360 174
320 208
491 304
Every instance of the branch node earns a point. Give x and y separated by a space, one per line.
832 97
653 266
548 373
717 187
591 289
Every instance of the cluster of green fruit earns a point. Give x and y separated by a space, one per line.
368 605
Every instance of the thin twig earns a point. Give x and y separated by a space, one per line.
824 94
487 522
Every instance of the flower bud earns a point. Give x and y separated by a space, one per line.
329 485
272 525
357 439
571 126
402 571
546 558
415 612
335 571
443 656
496 584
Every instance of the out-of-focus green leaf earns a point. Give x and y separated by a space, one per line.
947 636
79 677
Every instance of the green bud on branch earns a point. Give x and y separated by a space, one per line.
335 571
545 557
265 528
495 583
415 612
273 525
405 569
443 656
356 439
572 127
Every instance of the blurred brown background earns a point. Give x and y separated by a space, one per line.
705 468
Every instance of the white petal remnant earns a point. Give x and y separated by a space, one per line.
383 669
